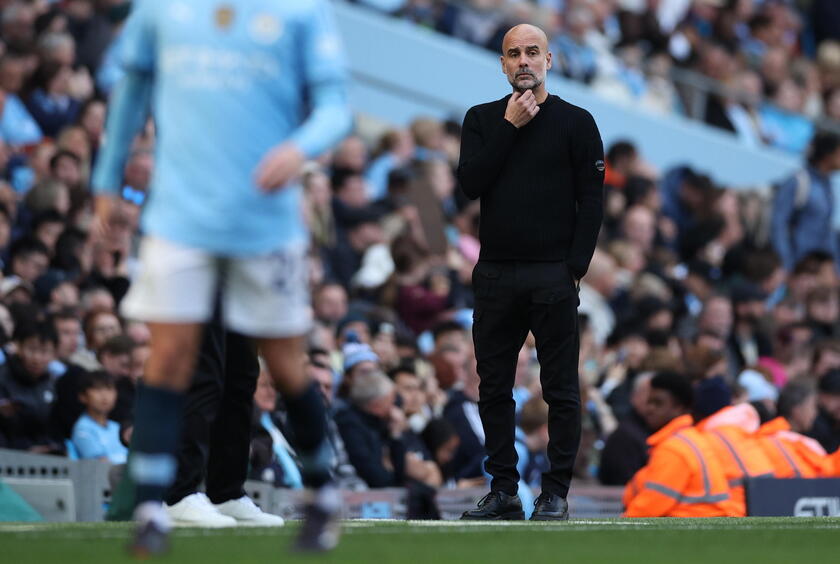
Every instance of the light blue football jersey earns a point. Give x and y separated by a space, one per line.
227 80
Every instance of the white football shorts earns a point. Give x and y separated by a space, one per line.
262 296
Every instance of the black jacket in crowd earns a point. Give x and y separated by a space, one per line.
625 452
31 399
366 438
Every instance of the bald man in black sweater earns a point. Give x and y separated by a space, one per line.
537 164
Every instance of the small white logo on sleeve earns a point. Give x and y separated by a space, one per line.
600 166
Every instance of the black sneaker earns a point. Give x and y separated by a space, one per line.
496 506
321 528
550 507
149 540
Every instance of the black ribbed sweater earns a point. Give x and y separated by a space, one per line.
541 186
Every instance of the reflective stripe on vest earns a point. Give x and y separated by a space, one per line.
688 499
784 452
707 496
732 451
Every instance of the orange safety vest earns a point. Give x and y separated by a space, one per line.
794 455
739 452
681 479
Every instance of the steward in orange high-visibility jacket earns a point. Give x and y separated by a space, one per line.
681 478
793 454
731 435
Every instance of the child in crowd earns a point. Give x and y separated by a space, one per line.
94 435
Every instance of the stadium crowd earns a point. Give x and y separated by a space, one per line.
701 301
773 64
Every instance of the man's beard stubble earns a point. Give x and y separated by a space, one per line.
531 76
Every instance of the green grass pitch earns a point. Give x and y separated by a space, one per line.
618 541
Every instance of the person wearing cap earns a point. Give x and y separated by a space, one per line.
826 428
682 478
359 358
793 454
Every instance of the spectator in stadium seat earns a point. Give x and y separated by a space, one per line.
803 205
822 311
461 411
626 449
27 389
94 434
29 259
351 154
329 302
17 126
531 443
342 470
49 99
395 149
783 124
599 286
359 358
826 427
345 259
792 453
682 477
372 427
115 356
575 57
747 340
69 375
409 390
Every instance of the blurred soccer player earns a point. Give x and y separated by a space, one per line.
242 93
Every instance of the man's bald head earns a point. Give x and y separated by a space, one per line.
525 34
525 58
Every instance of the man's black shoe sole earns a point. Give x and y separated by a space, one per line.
510 516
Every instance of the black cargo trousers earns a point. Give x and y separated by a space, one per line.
511 299
216 437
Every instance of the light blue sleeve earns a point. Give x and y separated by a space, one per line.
129 107
138 40
324 70
783 209
130 102
87 442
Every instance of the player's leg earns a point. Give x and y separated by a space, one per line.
202 406
267 297
308 423
284 359
173 294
